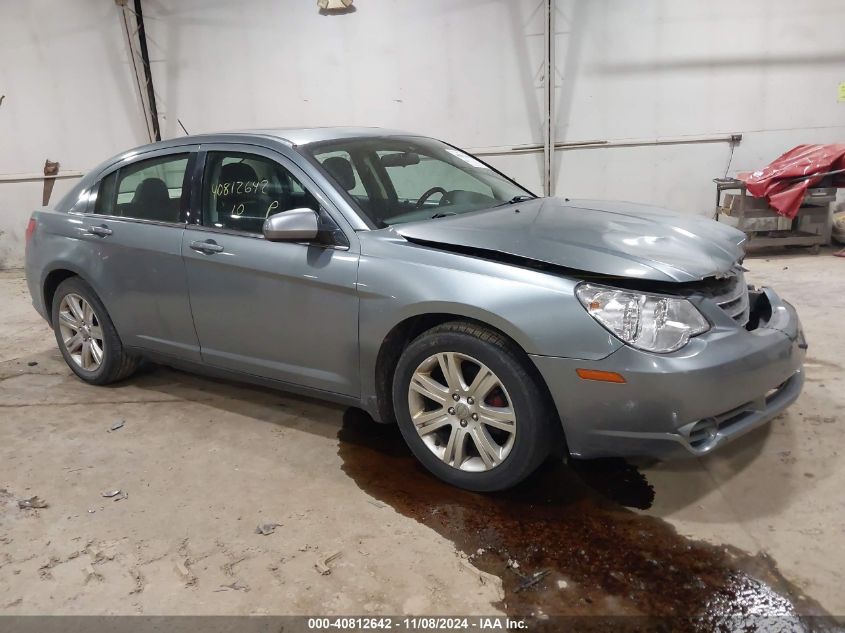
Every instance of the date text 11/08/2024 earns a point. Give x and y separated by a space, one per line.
418 623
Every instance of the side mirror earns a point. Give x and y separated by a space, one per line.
293 225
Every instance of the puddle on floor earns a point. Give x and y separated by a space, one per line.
595 557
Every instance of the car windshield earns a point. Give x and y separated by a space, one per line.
397 179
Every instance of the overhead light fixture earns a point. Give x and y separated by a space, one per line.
334 5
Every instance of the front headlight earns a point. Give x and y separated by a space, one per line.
654 323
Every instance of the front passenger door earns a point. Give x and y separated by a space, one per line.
281 310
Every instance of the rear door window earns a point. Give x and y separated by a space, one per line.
150 189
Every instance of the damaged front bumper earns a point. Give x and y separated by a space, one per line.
721 385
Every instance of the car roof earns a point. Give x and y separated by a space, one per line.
292 137
305 135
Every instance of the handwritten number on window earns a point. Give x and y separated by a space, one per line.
224 189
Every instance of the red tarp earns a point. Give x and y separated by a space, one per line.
777 181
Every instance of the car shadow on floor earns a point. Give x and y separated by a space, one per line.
671 486
674 485
754 475
261 403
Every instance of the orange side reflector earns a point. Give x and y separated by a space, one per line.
596 374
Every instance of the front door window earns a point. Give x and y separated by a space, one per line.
240 191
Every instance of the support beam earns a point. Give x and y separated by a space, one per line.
549 97
136 41
148 75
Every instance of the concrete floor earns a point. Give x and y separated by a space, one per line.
203 462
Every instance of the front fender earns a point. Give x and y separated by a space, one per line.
538 310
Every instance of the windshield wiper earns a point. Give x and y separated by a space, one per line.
442 214
515 199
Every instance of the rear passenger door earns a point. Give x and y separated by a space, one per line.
281 310
134 226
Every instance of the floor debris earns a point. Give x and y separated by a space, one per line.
235 586
32 503
139 581
322 565
91 574
532 580
186 574
266 528
117 425
108 494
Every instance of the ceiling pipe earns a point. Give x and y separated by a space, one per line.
501 150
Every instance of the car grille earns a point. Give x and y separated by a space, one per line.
734 299
730 294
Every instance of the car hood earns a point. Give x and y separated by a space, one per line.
619 239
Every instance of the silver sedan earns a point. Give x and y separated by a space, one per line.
402 275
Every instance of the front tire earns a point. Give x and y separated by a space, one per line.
86 335
470 409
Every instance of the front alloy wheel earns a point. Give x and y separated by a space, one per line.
471 407
462 411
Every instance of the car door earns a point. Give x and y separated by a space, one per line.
134 224
281 310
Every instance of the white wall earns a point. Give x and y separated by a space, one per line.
768 69
68 97
460 69
467 71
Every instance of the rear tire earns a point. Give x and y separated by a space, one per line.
475 415
86 335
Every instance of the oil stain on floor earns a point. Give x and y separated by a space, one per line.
563 544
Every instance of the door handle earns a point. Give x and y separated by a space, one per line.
102 230
209 248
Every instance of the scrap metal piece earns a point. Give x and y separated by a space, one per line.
532 580
111 493
117 425
322 565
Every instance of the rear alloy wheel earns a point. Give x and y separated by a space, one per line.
470 407
81 333
86 335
